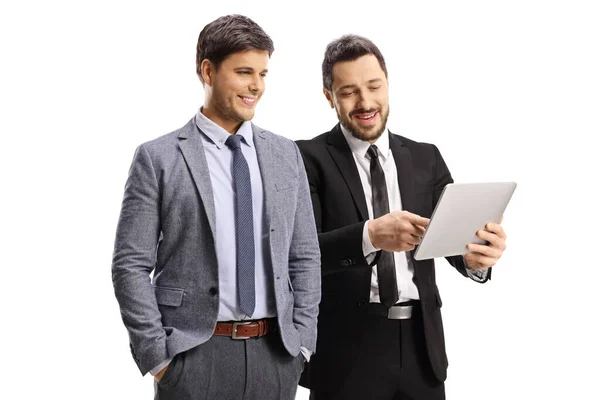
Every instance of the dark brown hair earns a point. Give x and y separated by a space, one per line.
227 35
348 48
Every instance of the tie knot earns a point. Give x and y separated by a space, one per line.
234 142
372 152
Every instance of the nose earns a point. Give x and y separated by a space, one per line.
257 84
363 101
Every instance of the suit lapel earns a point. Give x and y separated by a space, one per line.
342 155
192 149
267 171
404 166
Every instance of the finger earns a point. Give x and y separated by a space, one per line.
484 250
412 229
404 227
493 239
408 237
416 219
408 247
412 239
496 228
419 231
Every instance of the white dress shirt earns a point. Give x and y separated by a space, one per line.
407 290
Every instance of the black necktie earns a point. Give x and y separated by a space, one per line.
386 269
244 227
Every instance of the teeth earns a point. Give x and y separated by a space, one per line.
366 117
249 99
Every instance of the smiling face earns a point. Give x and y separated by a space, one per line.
233 89
359 94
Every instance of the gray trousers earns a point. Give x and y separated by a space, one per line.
228 369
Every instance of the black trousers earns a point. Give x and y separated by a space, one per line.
392 364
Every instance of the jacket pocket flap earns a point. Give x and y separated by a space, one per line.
438 298
281 186
168 296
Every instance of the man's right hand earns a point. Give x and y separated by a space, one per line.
160 373
397 231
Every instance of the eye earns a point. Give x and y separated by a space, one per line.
374 88
347 94
264 74
244 72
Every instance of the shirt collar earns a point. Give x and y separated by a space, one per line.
360 147
218 135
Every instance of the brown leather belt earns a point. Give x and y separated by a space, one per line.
246 329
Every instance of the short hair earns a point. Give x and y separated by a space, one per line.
348 48
229 34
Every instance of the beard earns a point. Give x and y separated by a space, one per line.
367 134
228 111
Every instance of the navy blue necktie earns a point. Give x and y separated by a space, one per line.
244 227
386 269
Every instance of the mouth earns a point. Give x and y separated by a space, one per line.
248 100
366 119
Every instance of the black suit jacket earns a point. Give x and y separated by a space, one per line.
340 211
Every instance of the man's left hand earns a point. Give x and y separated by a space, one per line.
486 256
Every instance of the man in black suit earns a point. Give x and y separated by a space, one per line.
380 332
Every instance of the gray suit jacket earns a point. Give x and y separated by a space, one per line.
167 225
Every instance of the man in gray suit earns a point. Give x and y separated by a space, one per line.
220 212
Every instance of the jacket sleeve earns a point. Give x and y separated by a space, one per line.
304 264
134 258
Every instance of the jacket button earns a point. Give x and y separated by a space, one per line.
362 303
213 291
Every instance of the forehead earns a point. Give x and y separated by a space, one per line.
253 58
357 72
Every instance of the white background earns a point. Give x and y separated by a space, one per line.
508 90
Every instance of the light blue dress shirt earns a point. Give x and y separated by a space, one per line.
219 158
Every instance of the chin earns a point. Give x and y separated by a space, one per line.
367 134
246 115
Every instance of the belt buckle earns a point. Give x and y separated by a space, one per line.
234 334
400 312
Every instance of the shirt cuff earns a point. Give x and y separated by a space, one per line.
478 275
159 367
306 353
368 248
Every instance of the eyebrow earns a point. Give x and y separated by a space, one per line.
264 71
350 86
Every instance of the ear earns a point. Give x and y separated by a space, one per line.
207 69
328 96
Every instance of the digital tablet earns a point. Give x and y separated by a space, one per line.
463 209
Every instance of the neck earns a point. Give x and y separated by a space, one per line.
225 123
